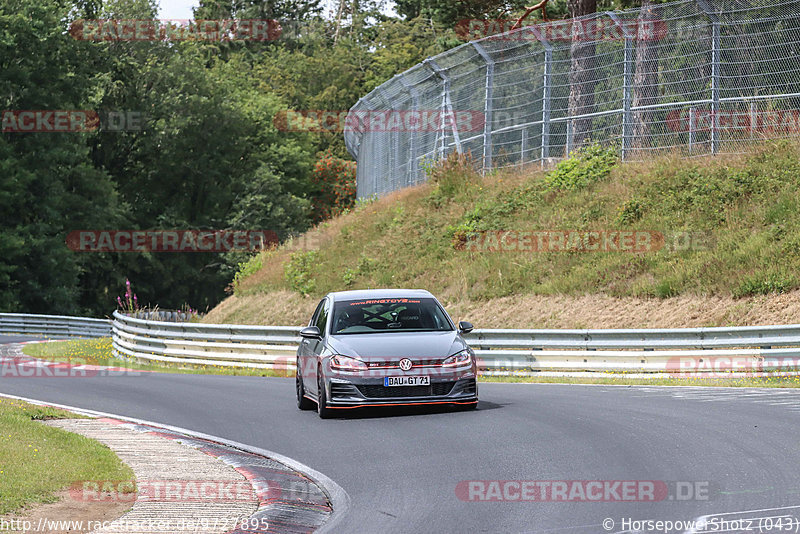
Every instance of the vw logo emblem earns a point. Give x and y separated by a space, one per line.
405 364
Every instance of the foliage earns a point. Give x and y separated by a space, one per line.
724 226
335 186
298 272
586 166
452 176
130 304
209 155
766 283
245 269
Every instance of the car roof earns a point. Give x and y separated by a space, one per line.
380 294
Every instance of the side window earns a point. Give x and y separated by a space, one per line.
322 318
314 317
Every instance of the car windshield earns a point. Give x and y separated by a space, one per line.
368 316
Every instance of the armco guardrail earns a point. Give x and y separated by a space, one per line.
499 351
54 326
263 347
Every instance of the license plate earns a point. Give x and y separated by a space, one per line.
390 381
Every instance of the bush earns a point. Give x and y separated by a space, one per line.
452 175
297 272
764 284
586 166
334 180
245 269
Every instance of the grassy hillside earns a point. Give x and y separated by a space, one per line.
723 245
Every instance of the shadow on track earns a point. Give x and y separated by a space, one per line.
404 411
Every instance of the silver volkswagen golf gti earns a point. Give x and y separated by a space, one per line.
382 348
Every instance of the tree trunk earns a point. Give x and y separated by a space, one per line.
645 81
339 15
582 79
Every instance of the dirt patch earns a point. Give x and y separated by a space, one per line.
54 518
535 311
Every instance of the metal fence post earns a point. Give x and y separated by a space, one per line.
366 182
447 106
413 165
692 127
715 71
627 87
569 139
488 107
547 91
394 136
523 146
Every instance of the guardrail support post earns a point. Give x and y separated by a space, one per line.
487 108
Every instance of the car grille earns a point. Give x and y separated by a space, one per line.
380 392
394 363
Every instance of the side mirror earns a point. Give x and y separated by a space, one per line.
311 332
464 327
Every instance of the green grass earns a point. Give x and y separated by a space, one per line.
36 461
98 352
730 225
744 382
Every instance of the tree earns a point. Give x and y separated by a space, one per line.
645 82
582 78
48 184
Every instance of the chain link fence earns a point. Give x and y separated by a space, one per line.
699 76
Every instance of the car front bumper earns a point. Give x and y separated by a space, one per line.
456 387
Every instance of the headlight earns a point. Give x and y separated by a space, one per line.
460 359
344 363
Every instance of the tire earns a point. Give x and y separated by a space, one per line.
322 400
302 402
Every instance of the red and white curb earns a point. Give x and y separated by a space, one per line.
290 497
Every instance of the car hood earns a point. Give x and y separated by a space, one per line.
401 345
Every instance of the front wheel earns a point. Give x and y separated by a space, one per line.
302 402
322 399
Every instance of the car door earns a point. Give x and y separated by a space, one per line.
316 346
306 358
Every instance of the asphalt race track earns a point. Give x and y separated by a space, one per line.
738 448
